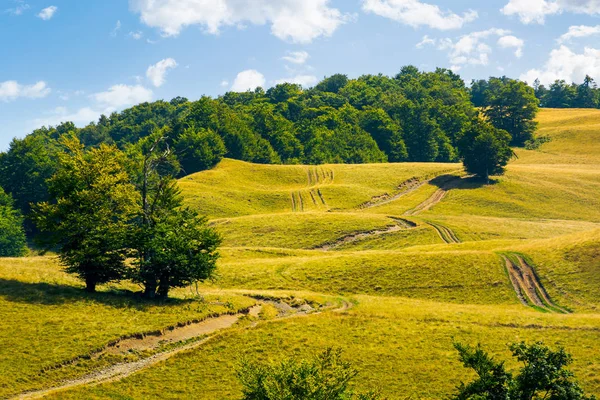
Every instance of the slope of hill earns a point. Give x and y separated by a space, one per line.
419 255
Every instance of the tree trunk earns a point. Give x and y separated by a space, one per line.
90 285
163 289
150 289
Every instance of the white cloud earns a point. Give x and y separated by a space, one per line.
47 13
511 41
224 83
81 117
157 72
579 32
116 29
136 35
19 8
425 41
293 20
303 80
12 90
415 13
565 64
119 96
535 11
296 57
470 49
248 80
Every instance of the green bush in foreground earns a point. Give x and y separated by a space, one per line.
543 375
326 377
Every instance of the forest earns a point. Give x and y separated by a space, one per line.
414 116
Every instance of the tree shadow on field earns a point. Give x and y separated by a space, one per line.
452 182
51 294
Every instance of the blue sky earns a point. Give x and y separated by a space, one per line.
73 59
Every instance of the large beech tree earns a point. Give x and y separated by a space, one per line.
88 218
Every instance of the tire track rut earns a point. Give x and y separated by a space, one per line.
401 224
527 285
445 233
438 196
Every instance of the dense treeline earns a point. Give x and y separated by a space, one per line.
413 116
559 94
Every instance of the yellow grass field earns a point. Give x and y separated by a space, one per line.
417 250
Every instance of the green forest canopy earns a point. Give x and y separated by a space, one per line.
413 116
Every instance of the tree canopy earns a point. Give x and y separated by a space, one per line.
12 234
543 375
411 116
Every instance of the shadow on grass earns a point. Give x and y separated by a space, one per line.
43 293
451 182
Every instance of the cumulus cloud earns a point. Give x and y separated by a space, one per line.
119 96
303 80
47 13
472 48
535 11
12 90
292 20
416 13
564 63
296 57
248 80
510 41
579 32
157 72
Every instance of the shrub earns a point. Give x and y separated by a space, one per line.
325 377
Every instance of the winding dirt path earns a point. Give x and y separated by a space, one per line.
401 224
207 329
405 188
445 233
528 287
438 196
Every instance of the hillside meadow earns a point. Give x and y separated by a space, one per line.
414 249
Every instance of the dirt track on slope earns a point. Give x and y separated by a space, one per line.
445 233
302 199
438 196
528 287
401 224
205 331
405 188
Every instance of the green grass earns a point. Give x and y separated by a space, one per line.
403 347
47 319
415 293
235 188
476 277
295 230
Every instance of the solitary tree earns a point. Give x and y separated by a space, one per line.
484 150
12 235
174 247
511 105
198 150
543 375
88 218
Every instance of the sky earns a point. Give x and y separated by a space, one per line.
73 60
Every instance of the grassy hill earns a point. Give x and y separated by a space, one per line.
424 254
